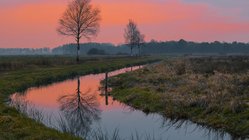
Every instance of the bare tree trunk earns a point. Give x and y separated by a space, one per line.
78 50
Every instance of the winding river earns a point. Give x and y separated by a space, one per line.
79 107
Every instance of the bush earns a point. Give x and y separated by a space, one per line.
95 51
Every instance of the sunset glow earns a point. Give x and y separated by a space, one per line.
33 23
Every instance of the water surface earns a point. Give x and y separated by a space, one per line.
79 107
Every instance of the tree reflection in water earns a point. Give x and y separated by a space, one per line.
79 110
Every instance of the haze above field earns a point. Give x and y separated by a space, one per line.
32 23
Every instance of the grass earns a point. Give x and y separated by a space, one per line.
101 134
19 73
211 91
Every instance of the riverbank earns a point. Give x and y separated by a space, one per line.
210 91
20 73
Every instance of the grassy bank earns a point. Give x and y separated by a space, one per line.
209 91
19 73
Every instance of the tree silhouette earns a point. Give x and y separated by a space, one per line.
131 35
79 20
140 42
79 110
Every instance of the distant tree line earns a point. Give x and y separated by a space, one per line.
160 47
152 47
184 47
25 51
70 49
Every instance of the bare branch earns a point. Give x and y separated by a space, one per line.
79 20
132 35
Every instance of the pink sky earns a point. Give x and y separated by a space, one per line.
32 23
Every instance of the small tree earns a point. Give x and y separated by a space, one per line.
79 20
140 41
131 35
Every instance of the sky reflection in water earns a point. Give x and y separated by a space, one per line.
76 106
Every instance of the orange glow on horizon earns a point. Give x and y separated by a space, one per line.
34 24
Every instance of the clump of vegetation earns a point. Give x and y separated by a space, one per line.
95 51
211 91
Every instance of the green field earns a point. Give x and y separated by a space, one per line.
19 73
211 91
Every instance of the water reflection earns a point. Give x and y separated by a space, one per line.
74 106
205 131
79 110
106 89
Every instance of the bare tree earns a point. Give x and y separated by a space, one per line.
131 34
140 41
79 20
133 37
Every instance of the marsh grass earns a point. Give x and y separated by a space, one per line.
101 134
27 109
212 91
